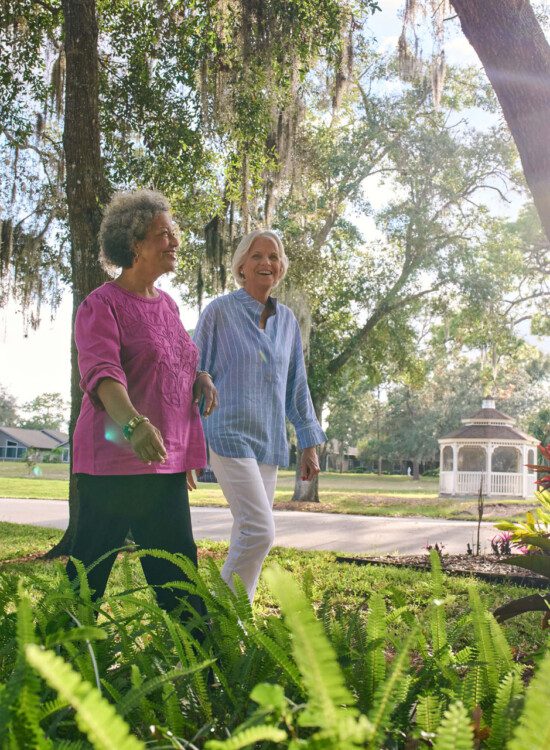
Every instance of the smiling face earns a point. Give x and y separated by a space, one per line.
262 266
156 254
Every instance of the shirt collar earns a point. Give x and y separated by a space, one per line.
243 296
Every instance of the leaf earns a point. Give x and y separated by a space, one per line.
314 655
428 712
97 718
533 728
536 563
248 737
455 731
503 718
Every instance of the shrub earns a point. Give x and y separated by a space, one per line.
136 676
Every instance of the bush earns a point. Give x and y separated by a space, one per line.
135 675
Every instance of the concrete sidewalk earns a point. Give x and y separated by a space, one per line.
308 531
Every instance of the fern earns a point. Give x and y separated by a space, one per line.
487 655
428 713
181 640
248 737
278 656
437 612
389 694
455 732
375 659
313 653
94 716
504 710
533 728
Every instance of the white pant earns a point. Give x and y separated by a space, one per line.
249 488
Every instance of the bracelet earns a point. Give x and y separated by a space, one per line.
203 372
129 427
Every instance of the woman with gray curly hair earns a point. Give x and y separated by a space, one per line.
139 433
251 345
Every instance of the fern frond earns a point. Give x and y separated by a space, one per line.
134 697
428 712
473 687
533 728
182 640
313 653
503 718
248 737
388 694
375 660
278 656
52 707
455 731
484 641
94 716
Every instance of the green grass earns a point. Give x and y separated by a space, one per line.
362 494
347 586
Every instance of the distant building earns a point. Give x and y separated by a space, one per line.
17 442
338 458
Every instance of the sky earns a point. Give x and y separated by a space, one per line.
39 361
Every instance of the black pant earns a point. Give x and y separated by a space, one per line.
155 507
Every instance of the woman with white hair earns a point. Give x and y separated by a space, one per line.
250 344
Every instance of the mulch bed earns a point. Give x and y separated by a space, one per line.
485 567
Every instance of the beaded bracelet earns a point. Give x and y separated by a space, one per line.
129 427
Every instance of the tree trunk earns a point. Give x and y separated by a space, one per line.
416 469
516 56
86 187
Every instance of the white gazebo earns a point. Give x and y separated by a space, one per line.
488 451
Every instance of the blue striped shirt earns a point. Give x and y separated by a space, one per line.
260 376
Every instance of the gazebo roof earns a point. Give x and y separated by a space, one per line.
489 424
487 432
490 416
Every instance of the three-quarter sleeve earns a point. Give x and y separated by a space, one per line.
299 406
204 337
97 338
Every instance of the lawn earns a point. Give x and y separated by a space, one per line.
362 494
344 586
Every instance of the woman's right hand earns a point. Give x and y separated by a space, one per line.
147 443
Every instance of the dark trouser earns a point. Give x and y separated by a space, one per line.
155 507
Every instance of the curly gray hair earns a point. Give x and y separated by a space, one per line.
244 246
126 220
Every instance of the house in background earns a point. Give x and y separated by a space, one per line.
337 457
17 442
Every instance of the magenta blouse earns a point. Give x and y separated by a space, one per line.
142 344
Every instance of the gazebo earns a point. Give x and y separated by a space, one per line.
488 451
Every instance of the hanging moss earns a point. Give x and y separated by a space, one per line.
6 246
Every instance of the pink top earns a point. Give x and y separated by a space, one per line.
141 343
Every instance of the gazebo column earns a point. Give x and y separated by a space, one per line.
525 471
487 484
454 485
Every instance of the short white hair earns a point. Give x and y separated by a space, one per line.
244 246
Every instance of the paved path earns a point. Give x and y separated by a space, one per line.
323 531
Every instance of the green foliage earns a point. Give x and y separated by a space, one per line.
94 715
382 677
46 411
454 732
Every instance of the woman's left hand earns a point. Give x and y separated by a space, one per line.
309 464
191 483
203 387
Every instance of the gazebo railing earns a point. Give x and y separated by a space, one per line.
506 483
468 482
